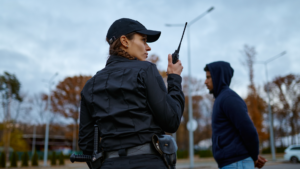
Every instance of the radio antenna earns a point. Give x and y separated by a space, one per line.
175 55
181 37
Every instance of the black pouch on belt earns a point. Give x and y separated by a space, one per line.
167 148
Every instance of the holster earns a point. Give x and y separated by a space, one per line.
96 161
95 164
98 156
167 148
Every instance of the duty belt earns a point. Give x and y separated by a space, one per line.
146 148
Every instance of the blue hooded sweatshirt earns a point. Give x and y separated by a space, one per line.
234 136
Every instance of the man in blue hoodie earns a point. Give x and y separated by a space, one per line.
234 137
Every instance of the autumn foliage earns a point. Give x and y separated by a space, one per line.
256 108
66 98
65 102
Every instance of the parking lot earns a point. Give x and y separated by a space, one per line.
199 163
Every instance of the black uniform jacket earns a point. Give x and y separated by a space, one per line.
131 103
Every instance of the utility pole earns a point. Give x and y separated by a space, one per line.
269 105
47 121
190 107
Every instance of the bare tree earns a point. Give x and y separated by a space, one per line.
285 94
255 104
202 107
39 106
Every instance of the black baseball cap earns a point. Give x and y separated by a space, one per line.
124 26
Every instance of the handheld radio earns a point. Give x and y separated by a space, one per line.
175 55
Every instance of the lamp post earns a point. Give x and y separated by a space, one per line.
191 136
50 83
269 106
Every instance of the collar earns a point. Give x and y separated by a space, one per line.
222 89
116 58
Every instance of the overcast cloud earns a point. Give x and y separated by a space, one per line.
40 38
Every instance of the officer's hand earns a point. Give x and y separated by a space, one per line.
260 162
174 68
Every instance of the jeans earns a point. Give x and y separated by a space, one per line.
247 163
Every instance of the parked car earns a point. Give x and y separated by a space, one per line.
292 153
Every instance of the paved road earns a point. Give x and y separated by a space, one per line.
182 164
277 165
283 166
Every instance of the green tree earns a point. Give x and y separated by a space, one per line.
35 159
10 85
25 158
14 159
53 158
9 90
16 140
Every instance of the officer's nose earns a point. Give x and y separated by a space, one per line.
147 47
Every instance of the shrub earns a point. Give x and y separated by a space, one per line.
41 156
35 159
3 160
14 159
277 150
25 158
61 159
53 158
182 154
49 156
266 150
280 149
69 155
205 153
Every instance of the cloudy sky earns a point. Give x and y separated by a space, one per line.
40 38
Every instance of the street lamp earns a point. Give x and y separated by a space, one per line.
191 137
269 106
50 83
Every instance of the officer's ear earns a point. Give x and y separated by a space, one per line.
124 41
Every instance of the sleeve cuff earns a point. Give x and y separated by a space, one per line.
254 158
174 79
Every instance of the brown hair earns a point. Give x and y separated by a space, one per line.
115 47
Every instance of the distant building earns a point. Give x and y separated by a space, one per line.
56 142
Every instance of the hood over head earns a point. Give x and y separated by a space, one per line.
221 74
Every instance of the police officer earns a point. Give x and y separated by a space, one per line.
129 101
